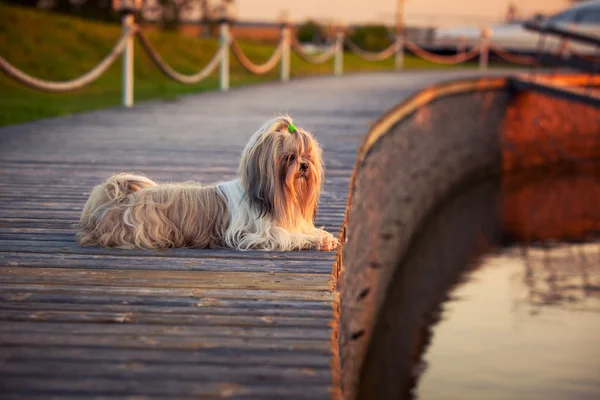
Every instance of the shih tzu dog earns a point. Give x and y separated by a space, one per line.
270 206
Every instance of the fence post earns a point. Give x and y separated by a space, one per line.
224 40
127 25
399 51
484 55
285 53
461 45
339 53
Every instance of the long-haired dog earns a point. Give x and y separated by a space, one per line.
270 206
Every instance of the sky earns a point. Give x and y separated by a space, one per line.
417 12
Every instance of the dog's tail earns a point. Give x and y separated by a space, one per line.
116 190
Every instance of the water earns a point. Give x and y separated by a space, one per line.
520 328
524 320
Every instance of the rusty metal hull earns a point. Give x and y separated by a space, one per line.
429 152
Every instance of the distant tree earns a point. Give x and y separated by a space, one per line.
511 12
211 13
93 9
97 9
206 11
23 3
224 8
169 13
311 31
371 37
63 6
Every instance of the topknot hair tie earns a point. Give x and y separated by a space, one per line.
292 128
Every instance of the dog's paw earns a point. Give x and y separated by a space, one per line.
328 242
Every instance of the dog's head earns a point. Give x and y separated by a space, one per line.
282 172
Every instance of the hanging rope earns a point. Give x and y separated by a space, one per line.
511 57
320 59
66 86
432 57
170 72
258 69
369 56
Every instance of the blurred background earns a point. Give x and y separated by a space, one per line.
59 40
260 20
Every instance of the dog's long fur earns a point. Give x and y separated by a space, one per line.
271 206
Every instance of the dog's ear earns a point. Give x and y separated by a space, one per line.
259 175
259 188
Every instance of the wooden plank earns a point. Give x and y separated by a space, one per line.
26 203
99 261
39 231
50 247
17 194
140 312
27 209
164 342
72 217
183 279
23 222
36 223
237 293
36 205
191 331
64 235
134 317
13 196
162 388
78 184
207 356
222 301
248 375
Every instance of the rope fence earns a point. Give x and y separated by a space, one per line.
436 58
384 54
258 69
281 56
512 58
170 72
313 59
73 84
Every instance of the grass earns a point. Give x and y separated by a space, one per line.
56 47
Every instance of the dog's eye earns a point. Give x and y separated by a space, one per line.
290 158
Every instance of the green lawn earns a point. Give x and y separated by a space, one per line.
55 47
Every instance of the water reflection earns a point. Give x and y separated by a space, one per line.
547 205
524 321
514 332
566 275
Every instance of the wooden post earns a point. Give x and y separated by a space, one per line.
224 40
285 53
339 53
461 45
127 25
399 51
399 60
485 49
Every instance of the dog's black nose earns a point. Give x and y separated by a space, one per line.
303 166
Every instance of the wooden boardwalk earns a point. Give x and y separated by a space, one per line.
182 323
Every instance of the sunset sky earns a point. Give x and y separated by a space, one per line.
418 12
